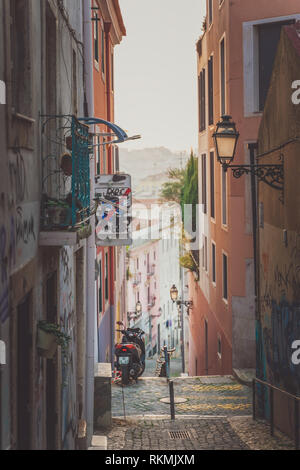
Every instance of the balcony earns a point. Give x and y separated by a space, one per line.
65 208
151 302
137 279
151 270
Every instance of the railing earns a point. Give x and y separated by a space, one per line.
271 389
137 280
151 302
151 270
66 174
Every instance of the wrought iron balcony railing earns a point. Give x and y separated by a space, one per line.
66 175
151 270
137 279
151 302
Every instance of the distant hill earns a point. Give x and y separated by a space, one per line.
150 162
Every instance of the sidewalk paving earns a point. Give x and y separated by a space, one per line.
206 433
203 395
217 415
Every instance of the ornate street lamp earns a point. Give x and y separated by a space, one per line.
138 307
174 298
174 293
226 139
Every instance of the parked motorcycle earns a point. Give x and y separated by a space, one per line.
130 354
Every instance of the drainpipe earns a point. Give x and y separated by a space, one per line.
91 248
107 27
254 192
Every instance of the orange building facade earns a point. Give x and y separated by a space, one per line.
235 60
108 31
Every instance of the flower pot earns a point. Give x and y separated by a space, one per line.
46 343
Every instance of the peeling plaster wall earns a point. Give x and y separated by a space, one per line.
278 320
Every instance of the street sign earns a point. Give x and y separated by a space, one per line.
113 195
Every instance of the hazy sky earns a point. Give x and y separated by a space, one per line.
156 72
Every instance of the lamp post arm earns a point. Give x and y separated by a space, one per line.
272 175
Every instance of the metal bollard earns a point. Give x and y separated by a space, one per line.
172 404
167 362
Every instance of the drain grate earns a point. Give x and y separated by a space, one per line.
182 435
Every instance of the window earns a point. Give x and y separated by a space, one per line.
201 86
50 90
211 91
50 62
21 58
213 262
112 72
117 159
224 197
148 263
106 277
210 11
222 78
260 39
98 155
204 258
204 185
268 40
104 157
96 37
219 347
102 51
212 184
74 84
225 277
100 288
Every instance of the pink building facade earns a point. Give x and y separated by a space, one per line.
235 60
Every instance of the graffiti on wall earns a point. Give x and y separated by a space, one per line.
68 324
19 232
8 260
280 319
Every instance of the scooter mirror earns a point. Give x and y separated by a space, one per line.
120 323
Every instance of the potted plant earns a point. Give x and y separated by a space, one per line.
50 336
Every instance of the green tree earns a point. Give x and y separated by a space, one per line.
189 194
172 190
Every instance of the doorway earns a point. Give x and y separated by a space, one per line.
51 376
23 375
206 347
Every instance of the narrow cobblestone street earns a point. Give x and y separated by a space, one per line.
215 416
213 396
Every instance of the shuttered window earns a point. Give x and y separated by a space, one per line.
212 185
225 277
210 91
204 184
222 68
201 84
269 36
